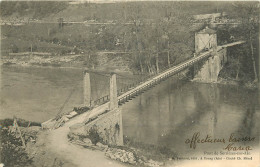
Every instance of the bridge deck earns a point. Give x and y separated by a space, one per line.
167 73
147 84
173 70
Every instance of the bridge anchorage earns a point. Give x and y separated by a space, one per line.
104 115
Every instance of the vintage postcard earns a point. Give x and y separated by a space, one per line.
99 83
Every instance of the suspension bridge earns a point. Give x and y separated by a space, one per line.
105 113
138 87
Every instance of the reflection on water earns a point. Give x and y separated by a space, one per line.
172 112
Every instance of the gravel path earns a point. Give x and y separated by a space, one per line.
58 143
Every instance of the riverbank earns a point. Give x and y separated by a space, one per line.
42 61
246 84
105 62
57 148
13 138
251 85
46 148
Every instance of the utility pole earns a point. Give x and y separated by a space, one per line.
60 20
125 46
168 51
157 57
137 56
125 11
31 52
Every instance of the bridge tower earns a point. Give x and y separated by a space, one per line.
87 89
108 125
205 40
115 125
113 104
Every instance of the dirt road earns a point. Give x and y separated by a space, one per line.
81 157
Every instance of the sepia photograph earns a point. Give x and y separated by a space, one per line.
129 83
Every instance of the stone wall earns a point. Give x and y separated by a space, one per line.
210 70
108 125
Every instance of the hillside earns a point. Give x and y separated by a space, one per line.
108 11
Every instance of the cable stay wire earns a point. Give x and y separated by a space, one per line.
104 86
67 99
96 89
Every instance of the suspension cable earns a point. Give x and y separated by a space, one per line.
67 100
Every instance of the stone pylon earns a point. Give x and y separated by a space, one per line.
113 93
206 40
87 89
120 139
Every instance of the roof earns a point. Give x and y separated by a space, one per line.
207 31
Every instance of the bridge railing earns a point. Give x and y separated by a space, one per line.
173 69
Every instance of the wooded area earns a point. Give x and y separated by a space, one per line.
160 34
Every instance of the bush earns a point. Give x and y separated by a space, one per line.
94 136
64 51
80 110
55 40
21 122
12 152
14 48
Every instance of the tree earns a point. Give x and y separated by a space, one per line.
91 51
14 48
248 12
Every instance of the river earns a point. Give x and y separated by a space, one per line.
174 111
38 93
166 115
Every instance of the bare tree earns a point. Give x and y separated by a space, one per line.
249 15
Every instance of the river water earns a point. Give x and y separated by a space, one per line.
174 111
166 115
38 93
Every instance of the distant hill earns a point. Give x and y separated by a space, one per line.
35 9
109 11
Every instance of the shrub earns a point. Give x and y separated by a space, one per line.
12 152
14 48
64 51
80 110
21 122
94 136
